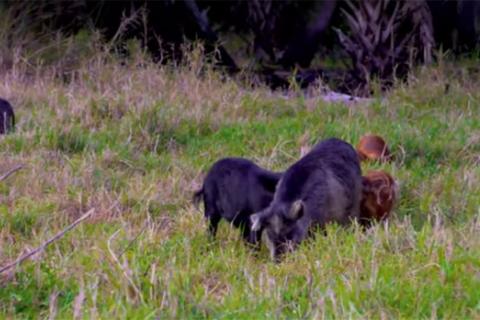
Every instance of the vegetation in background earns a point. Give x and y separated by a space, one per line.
278 40
386 39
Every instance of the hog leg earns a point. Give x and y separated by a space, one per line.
213 224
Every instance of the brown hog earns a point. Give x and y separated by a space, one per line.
379 194
373 147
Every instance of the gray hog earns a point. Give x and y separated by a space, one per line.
234 189
324 186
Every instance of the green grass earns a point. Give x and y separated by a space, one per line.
134 142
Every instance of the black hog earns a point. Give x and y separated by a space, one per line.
233 189
324 186
7 117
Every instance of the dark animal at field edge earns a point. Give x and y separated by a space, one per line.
7 117
233 189
322 187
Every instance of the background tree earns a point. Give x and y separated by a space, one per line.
383 39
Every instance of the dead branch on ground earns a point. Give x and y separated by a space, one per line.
45 244
11 171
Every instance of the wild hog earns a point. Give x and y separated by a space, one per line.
374 148
7 117
324 186
233 189
379 193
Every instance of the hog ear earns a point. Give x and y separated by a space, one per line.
256 221
296 210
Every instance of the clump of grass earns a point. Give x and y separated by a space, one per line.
132 139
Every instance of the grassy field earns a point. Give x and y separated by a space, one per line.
133 140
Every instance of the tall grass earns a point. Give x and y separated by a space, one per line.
133 139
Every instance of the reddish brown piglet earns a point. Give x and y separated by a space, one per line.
373 147
379 194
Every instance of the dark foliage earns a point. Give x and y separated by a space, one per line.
282 35
386 37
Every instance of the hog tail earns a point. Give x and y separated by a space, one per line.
197 197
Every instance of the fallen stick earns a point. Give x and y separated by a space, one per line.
45 244
10 172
